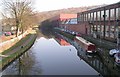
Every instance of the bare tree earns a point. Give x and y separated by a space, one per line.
20 10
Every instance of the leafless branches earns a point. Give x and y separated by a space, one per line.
21 11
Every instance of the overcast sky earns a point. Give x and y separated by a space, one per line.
46 5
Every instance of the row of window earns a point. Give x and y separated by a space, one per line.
111 14
110 31
69 21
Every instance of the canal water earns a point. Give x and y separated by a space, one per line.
50 56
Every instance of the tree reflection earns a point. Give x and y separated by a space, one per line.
27 66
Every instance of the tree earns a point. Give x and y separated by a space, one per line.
20 10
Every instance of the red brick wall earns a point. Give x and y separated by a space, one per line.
76 27
67 16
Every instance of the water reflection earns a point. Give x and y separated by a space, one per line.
59 60
61 40
48 57
23 66
104 67
58 55
102 64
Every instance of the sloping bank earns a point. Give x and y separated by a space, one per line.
18 49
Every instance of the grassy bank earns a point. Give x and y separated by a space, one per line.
100 42
65 34
17 44
12 55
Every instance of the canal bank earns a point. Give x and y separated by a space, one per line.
100 42
18 49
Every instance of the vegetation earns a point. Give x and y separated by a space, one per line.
70 36
19 13
17 44
46 27
5 61
101 43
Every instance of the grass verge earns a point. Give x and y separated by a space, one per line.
17 44
70 36
7 60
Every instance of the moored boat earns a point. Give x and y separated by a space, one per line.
86 45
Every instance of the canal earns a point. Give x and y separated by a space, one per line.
49 57
58 55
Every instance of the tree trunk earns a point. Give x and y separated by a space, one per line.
17 30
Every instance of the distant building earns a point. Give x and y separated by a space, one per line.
64 19
8 25
8 28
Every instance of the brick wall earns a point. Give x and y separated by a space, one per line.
76 27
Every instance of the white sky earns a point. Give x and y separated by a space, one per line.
46 5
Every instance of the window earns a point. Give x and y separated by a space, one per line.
107 14
94 16
73 21
79 18
102 14
91 29
84 17
112 31
98 15
112 14
88 16
91 16
98 28
117 13
107 31
95 28
102 29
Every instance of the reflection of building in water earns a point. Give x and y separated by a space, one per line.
98 64
95 61
61 41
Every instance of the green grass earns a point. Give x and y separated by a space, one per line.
70 36
13 56
103 44
17 44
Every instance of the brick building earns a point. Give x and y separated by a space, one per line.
103 21
62 19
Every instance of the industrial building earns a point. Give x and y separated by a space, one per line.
101 22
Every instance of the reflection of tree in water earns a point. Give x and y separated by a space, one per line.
46 28
27 64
